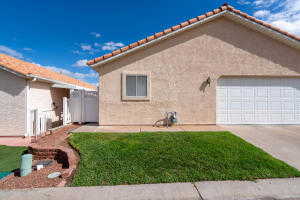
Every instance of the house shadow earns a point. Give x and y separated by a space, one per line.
12 89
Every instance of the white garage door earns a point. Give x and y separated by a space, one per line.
258 101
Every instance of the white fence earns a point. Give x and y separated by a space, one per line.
66 111
82 106
40 121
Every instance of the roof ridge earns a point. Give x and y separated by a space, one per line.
223 7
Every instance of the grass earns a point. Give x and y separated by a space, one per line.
10 157
138 158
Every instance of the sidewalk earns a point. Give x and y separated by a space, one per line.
135 129
208 190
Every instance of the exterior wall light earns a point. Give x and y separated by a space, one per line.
208 81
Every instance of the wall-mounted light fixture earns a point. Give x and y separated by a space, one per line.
208 81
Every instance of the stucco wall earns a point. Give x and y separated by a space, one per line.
181 64
12 104
42 96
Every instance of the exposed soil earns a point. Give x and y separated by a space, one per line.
33 180
56 140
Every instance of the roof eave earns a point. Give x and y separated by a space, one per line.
205 20
60 83
12 71
263 29
227 13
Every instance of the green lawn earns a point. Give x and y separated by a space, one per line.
10 157
137 158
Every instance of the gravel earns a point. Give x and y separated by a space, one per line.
37 179
33 180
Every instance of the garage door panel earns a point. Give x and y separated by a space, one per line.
258 101
275 118
235 118
275 92
275 82
248 118
235 93
287 93
274 105
248 105
222 106
288 118
248 93
297 117
261 118
261 105
235 106
261 92
287 105
297 105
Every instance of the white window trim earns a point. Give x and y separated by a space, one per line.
135 98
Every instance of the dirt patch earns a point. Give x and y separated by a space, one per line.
51 153
57 139
34 180
55 147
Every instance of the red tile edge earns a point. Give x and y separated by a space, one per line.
188 22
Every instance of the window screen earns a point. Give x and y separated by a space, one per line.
136 85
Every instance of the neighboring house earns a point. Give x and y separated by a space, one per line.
24 87
224 67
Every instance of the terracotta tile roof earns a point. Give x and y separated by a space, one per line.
26 68
224 7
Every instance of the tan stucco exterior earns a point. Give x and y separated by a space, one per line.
42 96
12 104
180 65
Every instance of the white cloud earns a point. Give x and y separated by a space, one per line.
264 3
27 49
86 47
261 13
97 47
243 2
96 44
110 46
80 63
9 51
81 76
284 14
97 35
76 52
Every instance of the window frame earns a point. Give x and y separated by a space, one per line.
135 98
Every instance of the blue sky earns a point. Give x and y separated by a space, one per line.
63 34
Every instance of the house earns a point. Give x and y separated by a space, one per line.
25 87
223 67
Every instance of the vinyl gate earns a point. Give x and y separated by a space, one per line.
40 122
83 106
66 111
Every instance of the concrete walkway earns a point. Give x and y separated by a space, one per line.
281 141
214 190
133 129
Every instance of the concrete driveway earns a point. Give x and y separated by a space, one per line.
283 142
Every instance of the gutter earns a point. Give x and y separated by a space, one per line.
13 72
58 83
32 77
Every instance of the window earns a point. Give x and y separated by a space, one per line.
135 86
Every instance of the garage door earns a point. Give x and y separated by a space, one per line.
258 101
